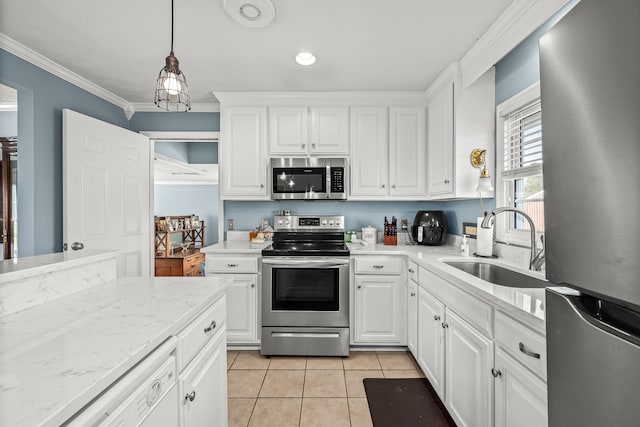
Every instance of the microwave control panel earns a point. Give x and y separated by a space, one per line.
337 180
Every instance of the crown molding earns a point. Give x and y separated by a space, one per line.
322 98
199 107
40 61
517 22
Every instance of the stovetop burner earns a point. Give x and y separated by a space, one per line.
308 236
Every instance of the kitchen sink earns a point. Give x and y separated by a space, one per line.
497 275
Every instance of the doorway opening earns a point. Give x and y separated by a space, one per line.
9 172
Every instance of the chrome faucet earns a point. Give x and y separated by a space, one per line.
537 255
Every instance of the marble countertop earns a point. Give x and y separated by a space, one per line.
56 357
236 246
525 304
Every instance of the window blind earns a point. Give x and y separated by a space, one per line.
523 141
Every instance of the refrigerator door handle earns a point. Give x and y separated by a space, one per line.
529 353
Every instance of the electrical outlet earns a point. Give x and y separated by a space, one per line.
230 224
404 224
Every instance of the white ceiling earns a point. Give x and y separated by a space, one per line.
361 45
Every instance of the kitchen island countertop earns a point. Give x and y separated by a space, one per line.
58 356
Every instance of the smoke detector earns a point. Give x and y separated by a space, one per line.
251 13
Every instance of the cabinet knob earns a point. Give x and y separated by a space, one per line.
413 294
495 372
210 328
436 317
190 396
303 145
253 285
411 271
383 185
393 186
359 286
445 325
446 181
232 265
261 185
313 145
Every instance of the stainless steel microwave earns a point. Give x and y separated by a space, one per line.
312 178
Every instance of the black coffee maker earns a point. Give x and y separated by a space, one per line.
430 228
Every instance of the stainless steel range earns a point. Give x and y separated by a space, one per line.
305 288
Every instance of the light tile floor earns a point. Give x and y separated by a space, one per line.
308 391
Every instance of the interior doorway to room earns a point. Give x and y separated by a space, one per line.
185 178
8 172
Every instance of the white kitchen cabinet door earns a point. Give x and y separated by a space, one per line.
431 336
369 151
440 142
242 144
203 386
521 397
329 130
242 309
407 151
412 317
468 363
380 310
288 130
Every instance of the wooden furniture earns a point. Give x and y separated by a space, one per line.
174 261
180 263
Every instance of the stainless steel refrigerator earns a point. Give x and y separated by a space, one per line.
590 83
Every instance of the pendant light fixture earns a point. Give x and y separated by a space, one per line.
172 92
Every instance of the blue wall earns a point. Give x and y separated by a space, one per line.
8 123
201 200
162 121
41 99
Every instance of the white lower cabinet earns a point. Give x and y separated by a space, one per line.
379 314
468 382
431 339
412 317
243 296
203 386
520 396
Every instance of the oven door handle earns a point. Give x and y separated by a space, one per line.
322 263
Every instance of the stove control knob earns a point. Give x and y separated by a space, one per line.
337 222
324 222
280 222
286 222
330 222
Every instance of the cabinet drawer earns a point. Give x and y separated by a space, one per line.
476 312
196 335
413 271
370 265
232 264
191 265
523 343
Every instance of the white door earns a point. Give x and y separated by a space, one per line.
431 339
469 384
288 130
106 194
242 309
369 147
521 397
378 314
407 158
203 386
329 130
412 317
440 142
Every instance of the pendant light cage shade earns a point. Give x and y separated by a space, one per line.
172 91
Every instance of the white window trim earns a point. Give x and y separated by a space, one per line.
503 233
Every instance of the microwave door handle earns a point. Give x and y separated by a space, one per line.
306 262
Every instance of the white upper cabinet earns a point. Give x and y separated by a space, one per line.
243 168
369 134
302 130
288 130
458 122
407 151
329 130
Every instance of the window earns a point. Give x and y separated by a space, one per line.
519 180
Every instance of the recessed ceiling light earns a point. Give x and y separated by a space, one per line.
251 13
305 58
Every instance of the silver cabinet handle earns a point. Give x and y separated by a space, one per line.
378 267
232 265
445 325
529 353
495 372
211 327
413 294
190 396
411 271
436 317
77 246
446 181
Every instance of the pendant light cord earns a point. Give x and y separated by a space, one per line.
172 27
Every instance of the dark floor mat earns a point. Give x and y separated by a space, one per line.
405 402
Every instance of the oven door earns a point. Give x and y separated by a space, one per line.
300 291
